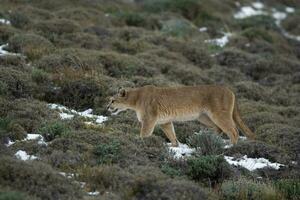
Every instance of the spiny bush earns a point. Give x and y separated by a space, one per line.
79 94
43 182
52 130
248 189
40 76
31 45
52 29
27 113
177 27
15 83
107 153
210 168
206 143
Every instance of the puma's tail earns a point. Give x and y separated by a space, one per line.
239 122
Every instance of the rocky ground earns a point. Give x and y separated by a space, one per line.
60 60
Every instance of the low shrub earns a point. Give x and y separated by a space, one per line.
12 195
52 29
248 189
40 76
52 130
177 28
263 21
206 143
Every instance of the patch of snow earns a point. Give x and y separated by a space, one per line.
258 5
66 113
9 143
279 16
203 29
248 11
22 155
289 10
221 42
4 52
67 175
181 151
66 116
252 163
95 193
4 21
40 138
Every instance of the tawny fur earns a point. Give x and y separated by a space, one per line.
214 106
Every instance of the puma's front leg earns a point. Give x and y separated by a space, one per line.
147 127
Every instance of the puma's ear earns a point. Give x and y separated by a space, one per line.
122 92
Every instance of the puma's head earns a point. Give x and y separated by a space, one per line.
119 102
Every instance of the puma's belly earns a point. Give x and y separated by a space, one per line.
181 117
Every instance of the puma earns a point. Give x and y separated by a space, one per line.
212 105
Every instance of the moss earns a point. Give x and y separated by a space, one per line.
31 45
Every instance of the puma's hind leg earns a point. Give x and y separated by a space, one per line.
168 129
225 121
204 119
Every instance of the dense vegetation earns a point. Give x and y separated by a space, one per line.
77 53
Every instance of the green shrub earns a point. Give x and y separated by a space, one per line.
263 21
206 143
170 170
210 168
52 130
31 45
19 19
248 189
107 153
12 195
290 188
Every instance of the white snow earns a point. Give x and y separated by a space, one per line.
66 113
289 10
9 143
248 11
38 137
221 42
181 151
95 193
22 155
258 5
67 175
252 163
4 52
4 21
203 29
279 16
